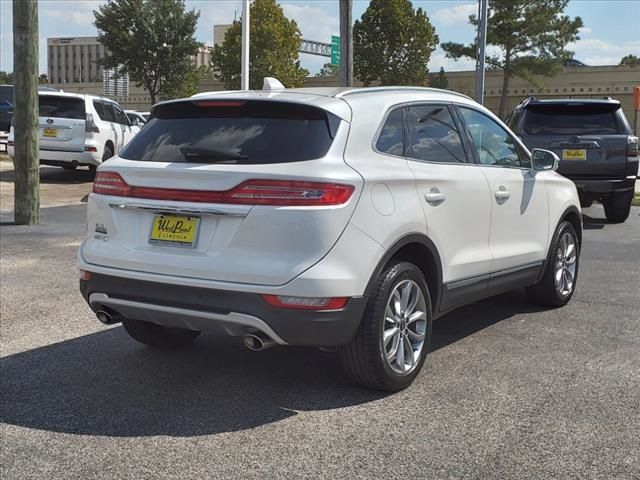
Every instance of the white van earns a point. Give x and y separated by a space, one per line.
79 130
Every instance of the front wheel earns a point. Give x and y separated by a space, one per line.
558 282
391 343
158 336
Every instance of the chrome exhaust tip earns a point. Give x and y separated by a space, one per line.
257 342
107 318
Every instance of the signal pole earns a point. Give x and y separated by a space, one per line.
244 73
346 43
25 117
483 11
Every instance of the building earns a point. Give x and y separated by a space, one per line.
74 60
218 33
203 57
115 84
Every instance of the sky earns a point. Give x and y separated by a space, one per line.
611 27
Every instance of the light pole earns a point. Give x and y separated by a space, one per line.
346 43
244 72
483 11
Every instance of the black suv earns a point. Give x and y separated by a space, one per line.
595 144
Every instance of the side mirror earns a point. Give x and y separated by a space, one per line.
544 160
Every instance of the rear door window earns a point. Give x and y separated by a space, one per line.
432 135
234 132
52 106
391 138
121 117
572 119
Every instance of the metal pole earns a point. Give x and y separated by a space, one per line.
483 13
346 43
244 75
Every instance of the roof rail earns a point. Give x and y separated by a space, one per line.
358 90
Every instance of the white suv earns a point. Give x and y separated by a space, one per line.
79 130
346 218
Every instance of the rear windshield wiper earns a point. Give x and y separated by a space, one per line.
206 155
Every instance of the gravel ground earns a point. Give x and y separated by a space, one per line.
509 390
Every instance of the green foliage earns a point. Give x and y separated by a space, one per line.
393 44
440 81
6 78
43 78
329 70
531 38
187 85
152 41
275 41
630 60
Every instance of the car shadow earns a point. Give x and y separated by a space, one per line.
591 223
54 175
106 384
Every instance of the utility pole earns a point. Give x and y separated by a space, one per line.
483 12
25 117
346 43
244 74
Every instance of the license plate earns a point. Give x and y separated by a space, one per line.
50 132
579 154
174 230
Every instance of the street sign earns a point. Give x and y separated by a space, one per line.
335 49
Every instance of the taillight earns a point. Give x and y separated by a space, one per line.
111 183
90 124
632 147
306 303
251 192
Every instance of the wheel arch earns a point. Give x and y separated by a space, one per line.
418 249
574 217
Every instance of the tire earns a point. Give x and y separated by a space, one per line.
158 336
366 359
617 207
547 291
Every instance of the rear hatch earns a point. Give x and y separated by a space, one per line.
246 191
62 122
590 138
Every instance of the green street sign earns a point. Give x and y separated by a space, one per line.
335 50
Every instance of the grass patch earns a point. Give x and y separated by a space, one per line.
636 200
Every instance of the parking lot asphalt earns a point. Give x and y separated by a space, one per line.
508 391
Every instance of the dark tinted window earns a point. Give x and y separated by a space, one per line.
61 107
432 135
493 144
568 119
109 114
391 136
121 117
242 132
99 109
6 94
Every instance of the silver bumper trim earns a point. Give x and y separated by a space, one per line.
236 324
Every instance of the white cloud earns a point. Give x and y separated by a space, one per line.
77 12
584 31
458 14
594 51
314 23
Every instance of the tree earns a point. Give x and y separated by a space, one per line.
6 78
151 40
188 85
43 78
441 80
393 44
275 41
531 38
630 60
329 70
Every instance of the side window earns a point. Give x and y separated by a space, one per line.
391 138
99 109
109 114
121 117
495 146
432 135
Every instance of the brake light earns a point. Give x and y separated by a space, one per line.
90 124
251 192
219 103
306 303
632 147
111 183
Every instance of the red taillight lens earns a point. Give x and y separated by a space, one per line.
251 192
84 275
306 303
111 183
632 147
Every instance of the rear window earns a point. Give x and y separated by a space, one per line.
6 94
235 132
61 107
572 119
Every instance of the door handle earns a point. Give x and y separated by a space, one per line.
434 197
502 194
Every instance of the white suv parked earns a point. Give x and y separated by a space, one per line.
347 218
79 130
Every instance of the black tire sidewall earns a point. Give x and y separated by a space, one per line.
563 228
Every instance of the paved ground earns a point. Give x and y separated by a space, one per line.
509 391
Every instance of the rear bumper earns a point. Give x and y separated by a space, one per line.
59 157
604 185
206 309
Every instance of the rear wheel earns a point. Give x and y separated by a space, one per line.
391 343
618 206
158 336
561 272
